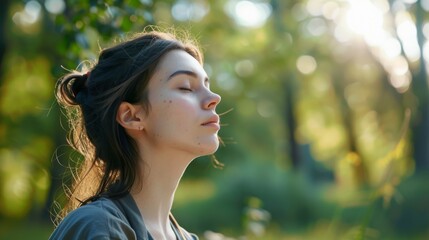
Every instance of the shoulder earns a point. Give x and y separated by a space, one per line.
98 220
194 237
190 236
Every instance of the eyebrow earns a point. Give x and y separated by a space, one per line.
186 72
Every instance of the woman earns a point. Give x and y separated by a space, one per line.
138 117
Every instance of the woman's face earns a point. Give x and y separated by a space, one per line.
182 115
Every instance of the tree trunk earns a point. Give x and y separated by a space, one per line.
291 123
3 44
290 89
359 168
420 125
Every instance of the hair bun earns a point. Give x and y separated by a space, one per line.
79 83
81 97
79 88
72 89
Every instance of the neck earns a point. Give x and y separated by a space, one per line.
154 196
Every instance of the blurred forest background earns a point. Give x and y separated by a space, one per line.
326 124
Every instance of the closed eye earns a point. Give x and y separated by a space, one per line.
185 89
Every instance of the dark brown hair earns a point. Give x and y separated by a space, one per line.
122 73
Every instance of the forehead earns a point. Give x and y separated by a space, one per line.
178 60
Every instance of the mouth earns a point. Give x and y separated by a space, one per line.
212 122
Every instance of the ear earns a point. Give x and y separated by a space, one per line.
130 116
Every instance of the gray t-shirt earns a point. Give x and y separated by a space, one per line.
105 219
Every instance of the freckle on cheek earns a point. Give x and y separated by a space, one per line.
170 101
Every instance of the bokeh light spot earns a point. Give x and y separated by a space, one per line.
29 15
244 68
184 10
248 13
55 6
306 64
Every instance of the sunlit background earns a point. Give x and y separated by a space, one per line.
325 113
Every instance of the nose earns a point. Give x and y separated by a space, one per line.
212 100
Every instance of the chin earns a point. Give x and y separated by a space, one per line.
208 149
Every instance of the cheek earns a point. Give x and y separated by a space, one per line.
172 116
168 106
180 108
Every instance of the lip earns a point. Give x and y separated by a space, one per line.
212 122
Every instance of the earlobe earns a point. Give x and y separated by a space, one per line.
129 116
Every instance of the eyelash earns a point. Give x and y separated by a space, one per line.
185 89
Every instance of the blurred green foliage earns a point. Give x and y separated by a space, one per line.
324 111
